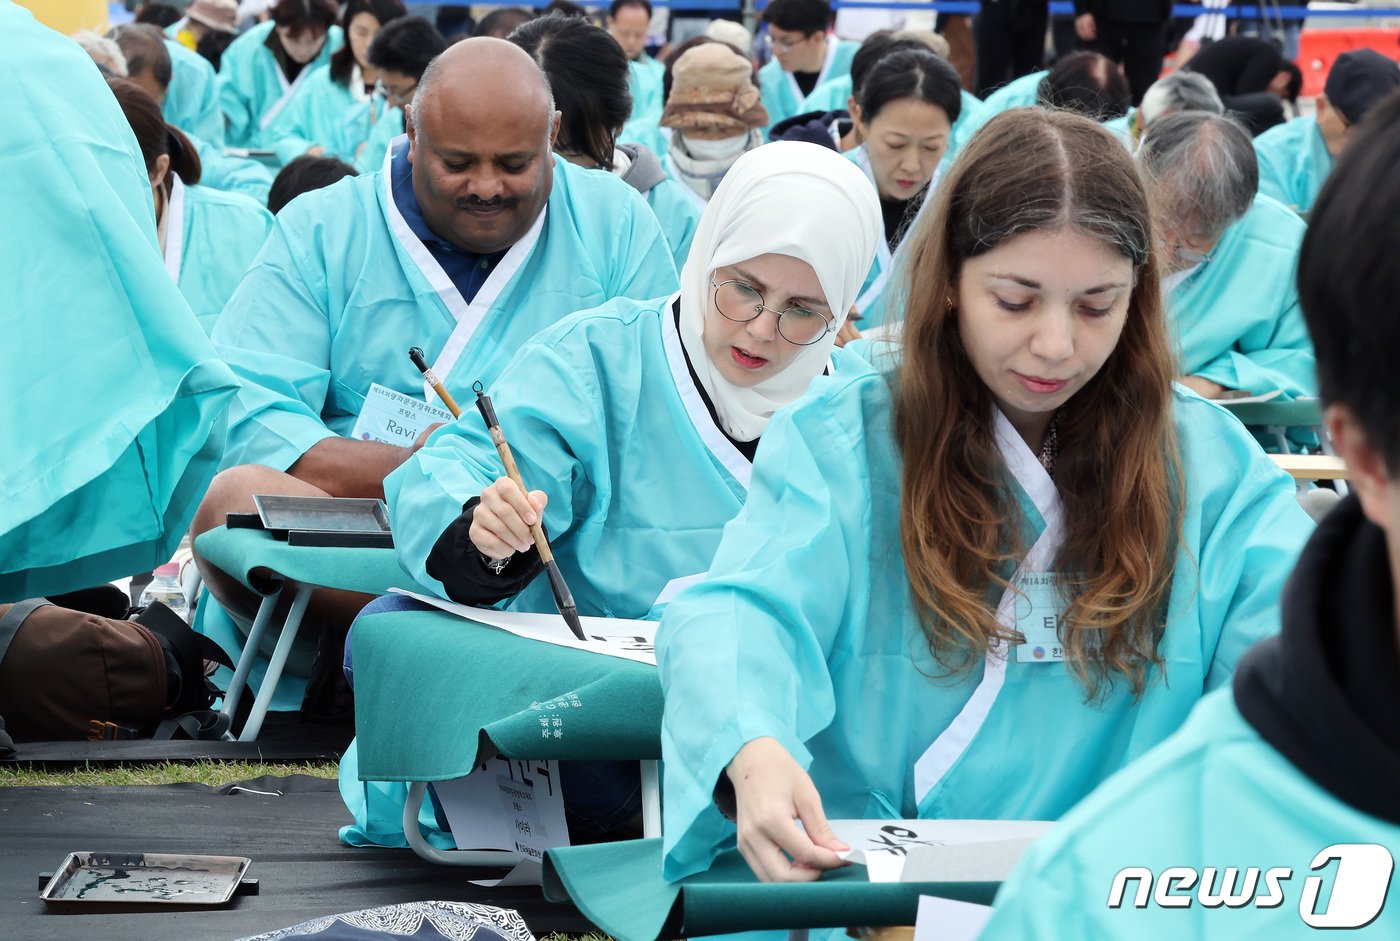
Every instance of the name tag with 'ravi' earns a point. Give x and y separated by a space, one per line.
395 418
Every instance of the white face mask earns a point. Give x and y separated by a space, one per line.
1177 277
725 148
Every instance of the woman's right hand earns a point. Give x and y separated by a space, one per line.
501 524
772 792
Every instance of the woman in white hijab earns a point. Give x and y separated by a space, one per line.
638 420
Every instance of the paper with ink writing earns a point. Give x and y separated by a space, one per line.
919 850
611 637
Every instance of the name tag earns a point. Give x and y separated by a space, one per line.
1038 610
394 418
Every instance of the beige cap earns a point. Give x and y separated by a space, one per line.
220 15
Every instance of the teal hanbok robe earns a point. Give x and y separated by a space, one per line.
333 116
192 100
644 80
1237 318
605 418
114 421
343 287
804 631
1293 163
208 253
782 96
254 92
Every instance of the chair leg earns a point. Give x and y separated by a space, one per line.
248 657
253 726
417 793
651 799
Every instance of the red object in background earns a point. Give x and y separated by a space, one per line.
1319 48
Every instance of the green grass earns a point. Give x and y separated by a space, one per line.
199 772
590 936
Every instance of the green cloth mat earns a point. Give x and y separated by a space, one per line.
435 695
618 887
1304 413
263 563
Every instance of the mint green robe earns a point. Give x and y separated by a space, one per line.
114 421
1293 163
803 631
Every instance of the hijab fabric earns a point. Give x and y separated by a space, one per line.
786 198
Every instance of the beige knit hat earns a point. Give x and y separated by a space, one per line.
220 15
712 89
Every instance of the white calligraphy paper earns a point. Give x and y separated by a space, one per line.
611 637
950 920
937 850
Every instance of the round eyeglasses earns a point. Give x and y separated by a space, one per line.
741 302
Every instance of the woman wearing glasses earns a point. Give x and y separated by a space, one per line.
976 581
638 421
400 52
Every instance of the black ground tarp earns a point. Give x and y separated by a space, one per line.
303 869
284 738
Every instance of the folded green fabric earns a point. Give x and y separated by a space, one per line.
618 886
263 563
1305 413
435 695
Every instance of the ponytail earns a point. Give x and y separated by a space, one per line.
184 159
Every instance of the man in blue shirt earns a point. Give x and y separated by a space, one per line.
470 240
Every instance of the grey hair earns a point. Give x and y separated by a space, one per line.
431 77
1180 91
1200 170
103 51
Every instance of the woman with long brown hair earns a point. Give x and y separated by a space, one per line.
977 578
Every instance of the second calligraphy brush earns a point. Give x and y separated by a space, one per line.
563 598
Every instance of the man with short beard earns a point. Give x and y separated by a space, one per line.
470 240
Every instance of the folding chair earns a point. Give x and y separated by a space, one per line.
437 695
269 567
1275 418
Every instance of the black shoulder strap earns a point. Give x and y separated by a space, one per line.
9 624
188 650
201 725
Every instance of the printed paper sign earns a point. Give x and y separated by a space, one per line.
611 637
950 920
507 804
394 418
937 850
